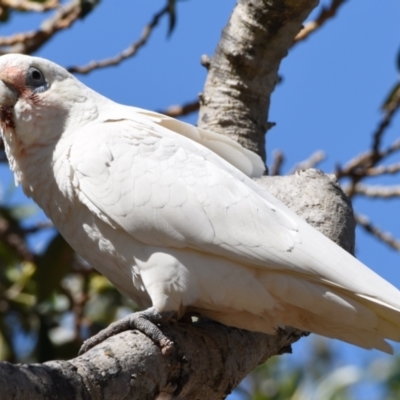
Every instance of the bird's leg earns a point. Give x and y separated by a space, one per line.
144 321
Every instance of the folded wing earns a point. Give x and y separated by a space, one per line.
169 191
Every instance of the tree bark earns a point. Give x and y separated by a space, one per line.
130 366
211 359
244 69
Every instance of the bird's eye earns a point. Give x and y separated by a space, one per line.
36 74
36 80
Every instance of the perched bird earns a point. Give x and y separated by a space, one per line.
169 213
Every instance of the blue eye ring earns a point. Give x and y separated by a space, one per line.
36 80
35 74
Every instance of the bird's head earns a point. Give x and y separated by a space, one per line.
39 101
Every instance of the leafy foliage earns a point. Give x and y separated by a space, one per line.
49 302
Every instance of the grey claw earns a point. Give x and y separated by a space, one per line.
144 321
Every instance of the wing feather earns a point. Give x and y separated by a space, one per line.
246 161
167 190
153 188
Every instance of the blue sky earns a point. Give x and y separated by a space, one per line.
333 85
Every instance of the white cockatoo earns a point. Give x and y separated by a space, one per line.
169 213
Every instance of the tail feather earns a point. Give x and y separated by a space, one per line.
332 311
389 330
320 298
335 329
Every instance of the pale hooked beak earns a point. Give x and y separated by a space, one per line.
8 95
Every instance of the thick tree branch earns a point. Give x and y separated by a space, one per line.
319 200
244 69
325 15
130 366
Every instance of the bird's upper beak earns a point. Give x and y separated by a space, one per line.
8 95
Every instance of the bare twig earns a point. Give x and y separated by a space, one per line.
385 237
357 168
324 16
26 5
277 163
29 42
366 165
127 53
383 170
390 110
384 192
311 162
176 111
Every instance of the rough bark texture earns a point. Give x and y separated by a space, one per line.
244 69
319 199
211 359
130 366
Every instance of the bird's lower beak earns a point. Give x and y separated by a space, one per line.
8 95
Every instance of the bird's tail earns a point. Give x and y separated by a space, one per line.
348 302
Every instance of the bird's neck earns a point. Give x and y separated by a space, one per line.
41 171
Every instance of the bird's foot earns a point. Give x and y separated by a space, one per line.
144 321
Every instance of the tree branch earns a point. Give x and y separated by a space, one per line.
383 170
384 237
127 53
243 71
29 42
277 163
176 111
358 167
311 162
26 5
130 366
326 14
383 192
318 199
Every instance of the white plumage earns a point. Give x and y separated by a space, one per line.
154 204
